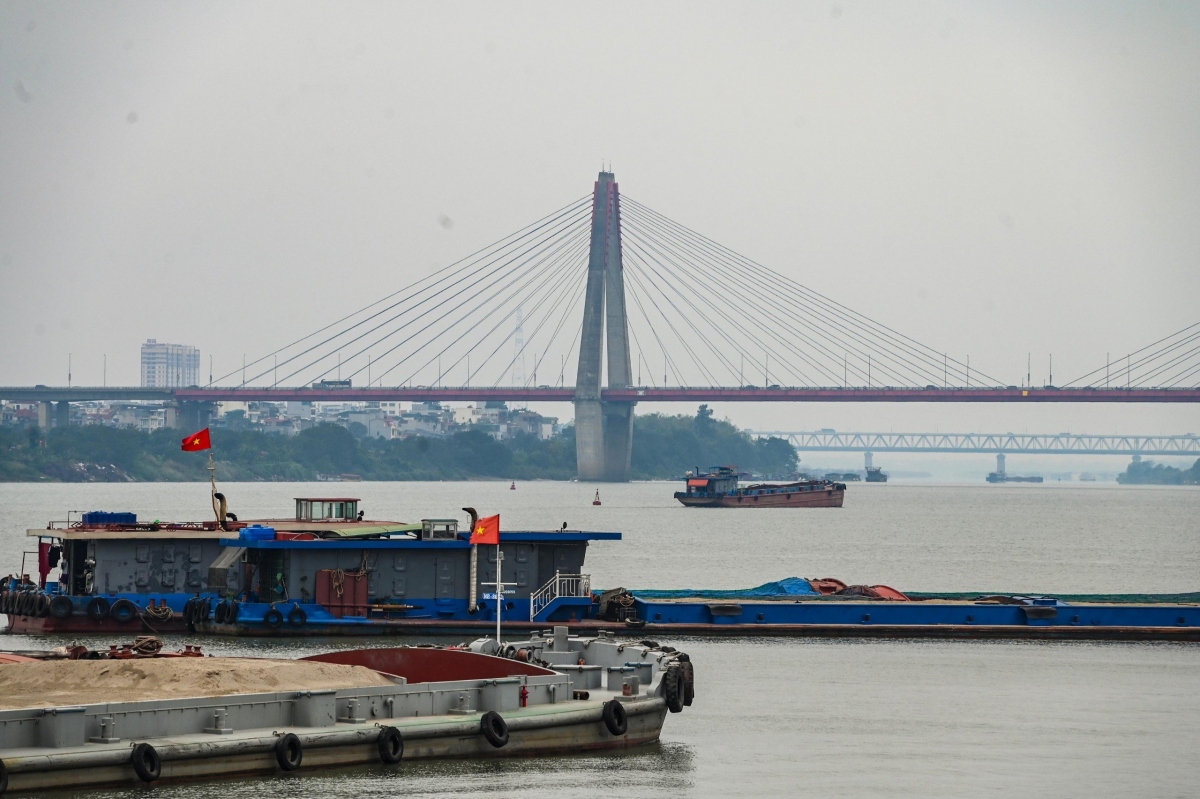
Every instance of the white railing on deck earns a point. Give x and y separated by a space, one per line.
559 585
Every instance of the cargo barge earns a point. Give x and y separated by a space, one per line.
553 694
720 488
329 572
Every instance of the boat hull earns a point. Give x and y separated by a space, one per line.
187 758
828 498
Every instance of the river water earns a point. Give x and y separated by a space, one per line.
807 717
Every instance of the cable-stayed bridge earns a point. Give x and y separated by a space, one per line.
1025 443
606 303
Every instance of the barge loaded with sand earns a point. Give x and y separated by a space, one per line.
327 571
138 715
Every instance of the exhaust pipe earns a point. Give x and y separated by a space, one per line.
472 600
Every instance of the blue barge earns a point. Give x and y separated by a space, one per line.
329 571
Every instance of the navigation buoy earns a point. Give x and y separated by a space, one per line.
596 501
512 486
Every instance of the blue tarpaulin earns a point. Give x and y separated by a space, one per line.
789 586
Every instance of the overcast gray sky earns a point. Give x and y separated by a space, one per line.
991 179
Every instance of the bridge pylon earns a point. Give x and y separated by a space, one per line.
604 429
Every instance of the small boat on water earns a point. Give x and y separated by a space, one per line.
720 488
78 719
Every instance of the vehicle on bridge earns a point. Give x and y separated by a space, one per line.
719 488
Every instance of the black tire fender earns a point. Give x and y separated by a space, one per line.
289 752
616 720
689 683
231 612
297 617
219 613
391 745
124 611
146 762
98 608
3 777
673 688
43 605
494 728
61 607
273 618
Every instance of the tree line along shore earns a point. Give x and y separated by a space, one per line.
665 446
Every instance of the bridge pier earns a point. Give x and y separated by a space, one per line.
604 430
190 416
53 414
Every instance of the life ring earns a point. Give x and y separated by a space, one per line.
297 617
146 762
273 618
98 608
616 720
61 607
391 745
288 752
124 611
494 728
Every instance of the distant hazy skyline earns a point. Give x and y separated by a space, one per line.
992 179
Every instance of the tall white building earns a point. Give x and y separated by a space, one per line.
169 365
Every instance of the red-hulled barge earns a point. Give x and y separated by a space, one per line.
719 488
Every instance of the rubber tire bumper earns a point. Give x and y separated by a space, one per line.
61 607
219 613
289 753
231 612
494 728
297 617
146 762
98 608
673 688
616 720
124 611
273 618
391 745
689 683
3 777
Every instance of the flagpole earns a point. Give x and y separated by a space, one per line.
499 592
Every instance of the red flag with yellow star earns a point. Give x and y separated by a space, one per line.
197 441
487 530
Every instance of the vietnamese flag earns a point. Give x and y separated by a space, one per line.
487 531
197 441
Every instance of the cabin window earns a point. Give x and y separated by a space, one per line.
439 529
326 509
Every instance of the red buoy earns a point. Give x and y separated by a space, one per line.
596 501
512 486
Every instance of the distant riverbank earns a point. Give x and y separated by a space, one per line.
664 447
1141 472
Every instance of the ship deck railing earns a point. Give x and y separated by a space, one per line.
560 585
